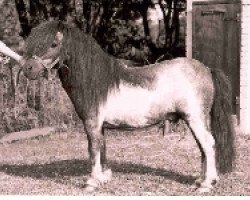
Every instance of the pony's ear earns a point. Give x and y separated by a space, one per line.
59 37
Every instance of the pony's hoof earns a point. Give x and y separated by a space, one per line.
107 175
203 190
88 188
198 182
102 177
202 187
205 186
91 185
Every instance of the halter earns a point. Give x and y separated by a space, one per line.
47 63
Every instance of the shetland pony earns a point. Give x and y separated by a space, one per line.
104 90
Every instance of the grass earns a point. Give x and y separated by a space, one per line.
144 162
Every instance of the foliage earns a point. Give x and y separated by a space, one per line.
121 27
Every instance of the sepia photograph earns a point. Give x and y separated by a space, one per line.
124 98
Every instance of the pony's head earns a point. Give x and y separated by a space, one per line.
36 66
42 49
33 68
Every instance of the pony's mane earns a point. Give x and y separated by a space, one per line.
91 70
41 38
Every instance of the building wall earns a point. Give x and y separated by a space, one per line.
244 119
245 68
189 24
189 27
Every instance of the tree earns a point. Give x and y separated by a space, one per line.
142 30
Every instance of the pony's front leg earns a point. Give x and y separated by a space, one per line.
97 152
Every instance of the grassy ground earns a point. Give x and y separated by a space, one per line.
143 163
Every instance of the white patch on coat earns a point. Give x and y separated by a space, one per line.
129 105
137 106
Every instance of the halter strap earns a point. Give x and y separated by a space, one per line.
48 64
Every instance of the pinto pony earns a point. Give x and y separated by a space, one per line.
104 90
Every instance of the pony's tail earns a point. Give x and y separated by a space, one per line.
221 122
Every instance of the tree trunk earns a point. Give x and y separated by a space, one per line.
23 18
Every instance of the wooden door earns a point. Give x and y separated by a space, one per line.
216 39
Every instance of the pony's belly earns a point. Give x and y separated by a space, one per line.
131 121
131 115
135 107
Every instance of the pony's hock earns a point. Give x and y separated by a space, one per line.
105 90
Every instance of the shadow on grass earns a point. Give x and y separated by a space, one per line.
59 169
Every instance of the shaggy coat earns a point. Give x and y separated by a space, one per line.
104 89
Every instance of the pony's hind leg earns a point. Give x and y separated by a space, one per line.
206 142
203 157
97 153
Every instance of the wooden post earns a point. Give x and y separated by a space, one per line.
1 87
245 68
189 29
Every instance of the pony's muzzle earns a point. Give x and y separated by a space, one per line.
33 70
36 67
